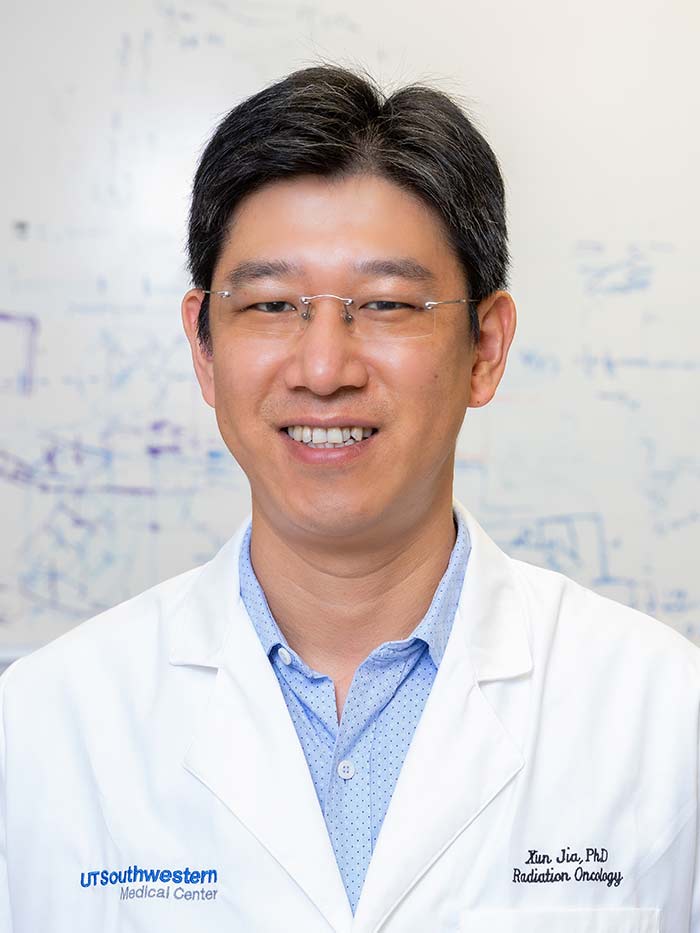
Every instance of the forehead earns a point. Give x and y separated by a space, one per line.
342 224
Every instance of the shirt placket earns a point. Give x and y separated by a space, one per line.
349 802
316 722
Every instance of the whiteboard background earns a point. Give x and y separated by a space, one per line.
112 472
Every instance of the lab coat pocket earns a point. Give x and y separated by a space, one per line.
573 920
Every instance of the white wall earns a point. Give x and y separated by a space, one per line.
587 460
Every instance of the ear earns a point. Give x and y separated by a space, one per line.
203 360
497 319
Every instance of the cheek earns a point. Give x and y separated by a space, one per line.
243 367
442 393
437 375
236 385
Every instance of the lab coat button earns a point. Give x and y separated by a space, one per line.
346 769
285 656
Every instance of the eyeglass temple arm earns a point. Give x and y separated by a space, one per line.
450 301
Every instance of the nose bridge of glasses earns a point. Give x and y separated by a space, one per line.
308 301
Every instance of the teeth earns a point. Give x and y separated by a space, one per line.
328 437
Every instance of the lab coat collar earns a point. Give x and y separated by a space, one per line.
246 751
492 607
461 755
495 627
202 620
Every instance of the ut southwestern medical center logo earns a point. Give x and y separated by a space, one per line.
179 884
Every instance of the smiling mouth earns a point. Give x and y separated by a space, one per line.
328 438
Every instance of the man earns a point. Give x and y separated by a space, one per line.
361 714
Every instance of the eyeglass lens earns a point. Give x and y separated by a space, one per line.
388 317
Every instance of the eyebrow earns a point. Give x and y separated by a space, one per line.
401 267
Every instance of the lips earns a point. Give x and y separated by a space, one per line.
363 426
332 437
285 430
332 455
338 423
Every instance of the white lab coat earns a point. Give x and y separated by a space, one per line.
155 735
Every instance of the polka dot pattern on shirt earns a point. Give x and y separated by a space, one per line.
355 764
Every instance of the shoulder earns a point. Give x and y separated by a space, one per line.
567 616
131 633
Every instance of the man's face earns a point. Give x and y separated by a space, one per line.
413 391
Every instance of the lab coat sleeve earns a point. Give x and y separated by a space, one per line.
5 906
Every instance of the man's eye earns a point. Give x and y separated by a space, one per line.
386 305
271 307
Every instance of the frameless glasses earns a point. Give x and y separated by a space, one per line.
397 314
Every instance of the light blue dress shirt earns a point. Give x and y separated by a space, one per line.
355 764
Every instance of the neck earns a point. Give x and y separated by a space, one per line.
336 602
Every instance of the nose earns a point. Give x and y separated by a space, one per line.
326 356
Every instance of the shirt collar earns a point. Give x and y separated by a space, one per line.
434 628
436 625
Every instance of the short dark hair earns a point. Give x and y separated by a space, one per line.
327 120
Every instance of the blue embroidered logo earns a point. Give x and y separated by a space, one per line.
155 882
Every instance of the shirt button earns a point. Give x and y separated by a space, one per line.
285 656
346 769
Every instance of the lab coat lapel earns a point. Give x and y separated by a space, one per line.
245 748
461 755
